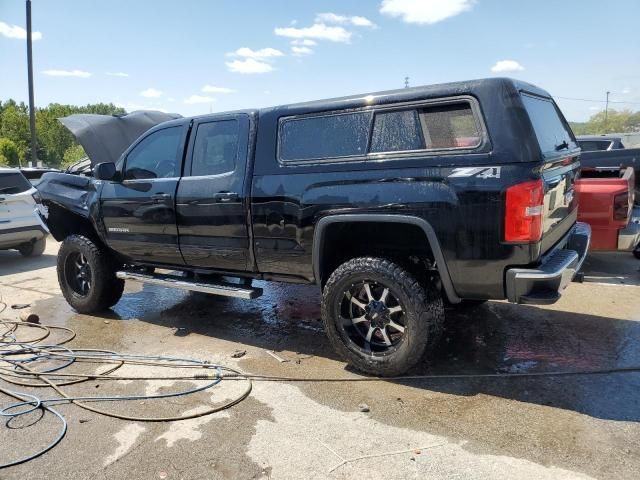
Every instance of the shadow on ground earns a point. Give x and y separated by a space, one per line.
11 261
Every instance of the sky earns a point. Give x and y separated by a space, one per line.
198 56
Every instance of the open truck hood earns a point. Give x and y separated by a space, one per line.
105 137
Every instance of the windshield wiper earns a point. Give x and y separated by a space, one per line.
562 146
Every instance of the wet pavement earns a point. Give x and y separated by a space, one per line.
542 427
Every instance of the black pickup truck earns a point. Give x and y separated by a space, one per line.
393 203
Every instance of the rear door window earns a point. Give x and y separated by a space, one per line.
215 148
13 182
553 133
323 137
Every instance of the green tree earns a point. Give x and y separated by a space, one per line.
72 155
613 121
14 125
9 156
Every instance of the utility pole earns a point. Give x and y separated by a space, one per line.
32 111
606 110
406 82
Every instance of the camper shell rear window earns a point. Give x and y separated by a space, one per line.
553 133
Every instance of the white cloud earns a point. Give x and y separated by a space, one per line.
305 42
300 51
626 90
117 74
425 11
171 99
17 32
318 31
195 99
257 54
362 22
505 66
151 93
344 20
595 109
213 89
67 73
249 65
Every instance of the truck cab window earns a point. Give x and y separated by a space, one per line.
215 148
155 156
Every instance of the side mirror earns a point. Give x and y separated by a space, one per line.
104 171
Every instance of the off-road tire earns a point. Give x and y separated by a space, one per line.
106 289
424 316
33 249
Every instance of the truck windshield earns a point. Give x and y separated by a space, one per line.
551 130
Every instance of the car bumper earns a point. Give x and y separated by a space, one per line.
543 284
629 237
31 229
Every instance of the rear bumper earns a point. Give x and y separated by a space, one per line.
543 284
629 237
32 229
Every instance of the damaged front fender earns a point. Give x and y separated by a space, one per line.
72 202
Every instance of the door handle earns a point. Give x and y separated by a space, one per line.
160 197
226 197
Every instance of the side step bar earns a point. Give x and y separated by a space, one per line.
172 281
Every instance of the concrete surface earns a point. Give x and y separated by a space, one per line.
525 428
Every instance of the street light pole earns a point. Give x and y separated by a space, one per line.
32 112
606 111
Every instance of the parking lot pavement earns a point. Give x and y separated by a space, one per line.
525 428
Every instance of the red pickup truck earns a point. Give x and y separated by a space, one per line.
605 199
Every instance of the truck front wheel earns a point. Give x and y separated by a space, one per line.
378 316
86 275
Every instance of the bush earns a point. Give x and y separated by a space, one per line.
72 155
9 154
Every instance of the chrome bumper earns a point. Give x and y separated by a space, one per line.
543 284
629 237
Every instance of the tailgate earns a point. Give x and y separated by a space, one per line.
559 170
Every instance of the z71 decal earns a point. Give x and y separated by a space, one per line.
479 172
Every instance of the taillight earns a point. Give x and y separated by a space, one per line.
621 206
524 212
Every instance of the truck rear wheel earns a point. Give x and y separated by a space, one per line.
379 317
86 275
